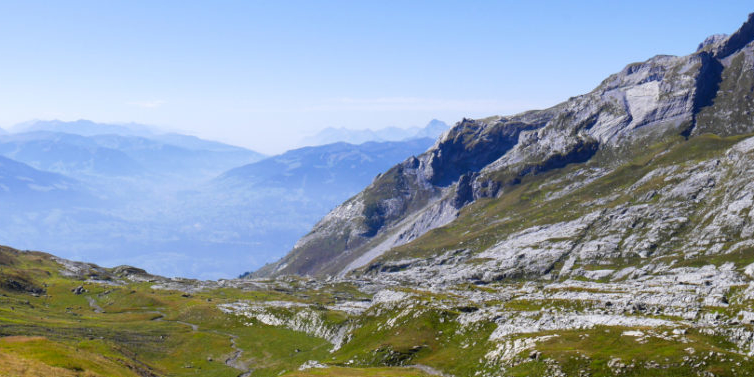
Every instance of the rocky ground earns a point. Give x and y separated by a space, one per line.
655 318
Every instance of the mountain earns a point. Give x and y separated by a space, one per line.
131 209
259 210
337 166
432 130
68 154
179 154
19 182
85 128
113 155
195 143
543 192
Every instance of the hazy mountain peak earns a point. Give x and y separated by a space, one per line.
85 127
330 135
21 182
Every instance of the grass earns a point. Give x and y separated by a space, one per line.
34 355
358 372
419 336
592 350
128 339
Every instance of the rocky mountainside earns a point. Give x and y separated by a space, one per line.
628 172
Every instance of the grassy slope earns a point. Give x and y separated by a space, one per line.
130 338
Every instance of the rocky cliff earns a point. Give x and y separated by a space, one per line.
666 106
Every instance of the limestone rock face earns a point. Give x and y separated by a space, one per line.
703 209
666 99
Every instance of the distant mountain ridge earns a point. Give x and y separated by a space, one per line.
170 201
20 182
330 135
325 165
83 148
123 187
85 127
69 154
267 205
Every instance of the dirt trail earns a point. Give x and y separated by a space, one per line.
233 361
429 370
93 304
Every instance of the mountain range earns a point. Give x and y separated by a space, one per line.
330 135
257 211
85 127
21 181
117 155
168 201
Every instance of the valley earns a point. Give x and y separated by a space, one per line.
117 194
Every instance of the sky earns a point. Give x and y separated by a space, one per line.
262 74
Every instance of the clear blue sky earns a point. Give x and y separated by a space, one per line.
259 74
